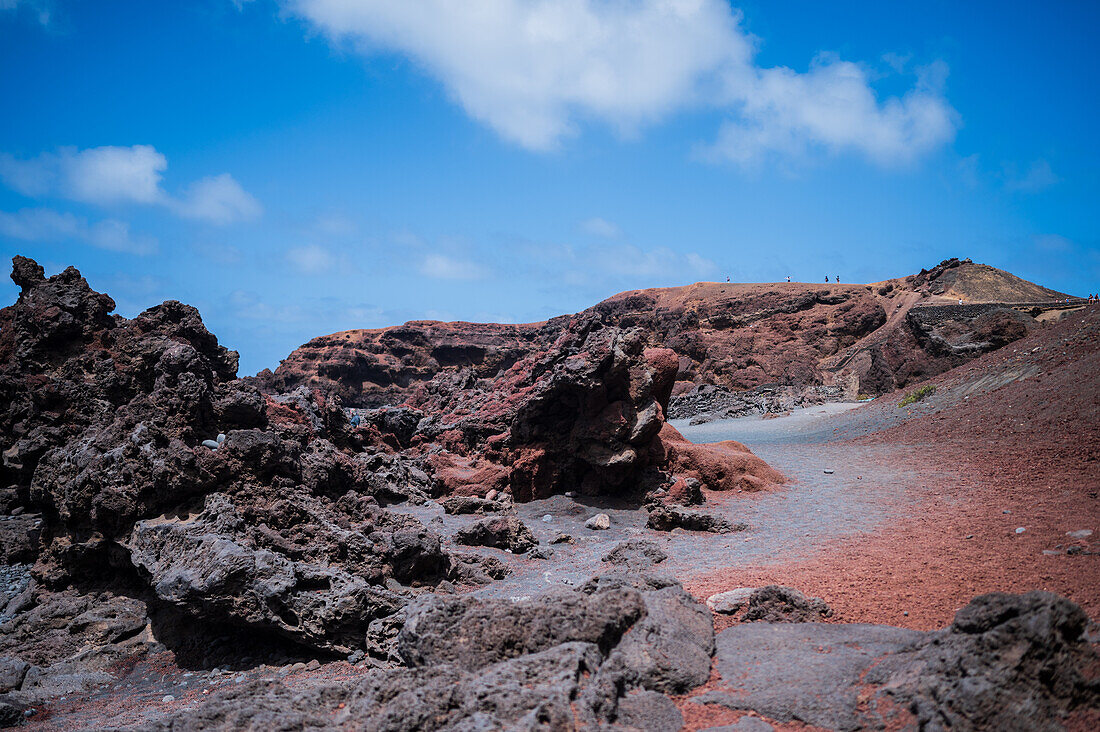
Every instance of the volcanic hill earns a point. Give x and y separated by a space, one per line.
814 340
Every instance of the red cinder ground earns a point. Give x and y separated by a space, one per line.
1028 455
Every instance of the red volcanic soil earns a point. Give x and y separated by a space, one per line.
1029 453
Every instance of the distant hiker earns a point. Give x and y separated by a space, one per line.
826 278
788 278
838 279
355 420
727 278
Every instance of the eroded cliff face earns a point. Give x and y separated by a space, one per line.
859 338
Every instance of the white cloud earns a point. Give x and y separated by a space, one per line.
1038 177
601 227
833 107
112 175
312 259
443 267
218 199
43 224
101 175
533 69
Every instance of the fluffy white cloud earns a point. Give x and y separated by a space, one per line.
531 69
43 224
111 175
100 175
832 106
443 267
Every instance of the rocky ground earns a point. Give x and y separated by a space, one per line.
535 547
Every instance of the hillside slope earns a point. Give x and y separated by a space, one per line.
854 338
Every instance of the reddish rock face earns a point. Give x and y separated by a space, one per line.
738 336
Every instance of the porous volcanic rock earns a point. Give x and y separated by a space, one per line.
667 518
777 604
603 656
1006 662
502 532
583 414
108 428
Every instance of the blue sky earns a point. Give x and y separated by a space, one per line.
298 167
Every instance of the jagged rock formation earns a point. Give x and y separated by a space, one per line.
585 414
278 526
145 461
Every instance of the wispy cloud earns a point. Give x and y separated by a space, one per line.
41 9
443 267
533 69
312 259
110 175
1038 177
601 227
43 224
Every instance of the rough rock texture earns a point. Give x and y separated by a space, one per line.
721 466
1007 662
602 657
374 367
635 554
582 414
776 604
502 532
667 518
279 527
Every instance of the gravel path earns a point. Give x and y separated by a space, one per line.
869 486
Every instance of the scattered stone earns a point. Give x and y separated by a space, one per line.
636 554
211 444
1020 530
667 518
778 604
492 494
731 601
167 698
1079 534
547 518
470 504
563 539
828 471
503 532
599 522
539 552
